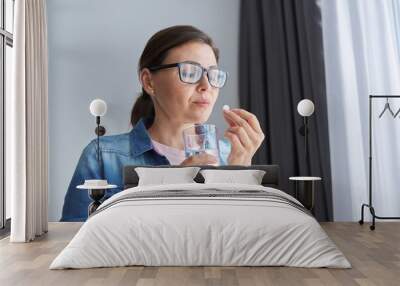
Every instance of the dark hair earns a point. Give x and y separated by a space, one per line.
155 52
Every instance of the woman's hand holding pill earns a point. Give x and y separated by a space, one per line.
244 133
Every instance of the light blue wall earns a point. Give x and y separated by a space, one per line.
94 47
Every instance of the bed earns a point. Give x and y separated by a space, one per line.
201 224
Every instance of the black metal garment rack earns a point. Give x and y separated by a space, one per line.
369 205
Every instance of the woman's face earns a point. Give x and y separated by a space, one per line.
179 101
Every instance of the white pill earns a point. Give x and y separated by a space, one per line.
225 107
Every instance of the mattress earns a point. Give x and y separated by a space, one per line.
201 225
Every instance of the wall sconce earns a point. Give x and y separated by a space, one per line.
98 108
305 108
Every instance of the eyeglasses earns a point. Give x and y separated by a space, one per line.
192 72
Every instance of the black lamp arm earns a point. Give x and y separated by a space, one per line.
99 131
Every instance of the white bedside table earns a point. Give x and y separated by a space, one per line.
96 190
304 192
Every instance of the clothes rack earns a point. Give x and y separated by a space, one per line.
369 205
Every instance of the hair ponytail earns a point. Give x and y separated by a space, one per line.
143 107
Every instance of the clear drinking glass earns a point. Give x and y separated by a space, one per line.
201 138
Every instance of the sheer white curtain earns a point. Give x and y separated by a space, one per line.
362 57
26 123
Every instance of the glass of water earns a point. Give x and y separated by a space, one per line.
201 138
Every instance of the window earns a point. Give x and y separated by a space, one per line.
6 60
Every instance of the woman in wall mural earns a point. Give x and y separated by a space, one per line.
180 79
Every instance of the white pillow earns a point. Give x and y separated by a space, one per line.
249 177
162 176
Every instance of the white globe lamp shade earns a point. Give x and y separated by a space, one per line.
98 107
305 107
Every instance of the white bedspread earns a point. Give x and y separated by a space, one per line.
180 231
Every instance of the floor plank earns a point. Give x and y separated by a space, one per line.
374 255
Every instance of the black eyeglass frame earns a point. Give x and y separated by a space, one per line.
204 70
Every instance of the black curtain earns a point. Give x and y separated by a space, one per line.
281 62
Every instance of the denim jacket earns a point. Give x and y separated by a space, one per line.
116 151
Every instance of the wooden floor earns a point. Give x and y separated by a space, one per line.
374 255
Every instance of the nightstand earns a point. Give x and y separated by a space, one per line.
96 191
305 190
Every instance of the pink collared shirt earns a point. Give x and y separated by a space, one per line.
175 156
